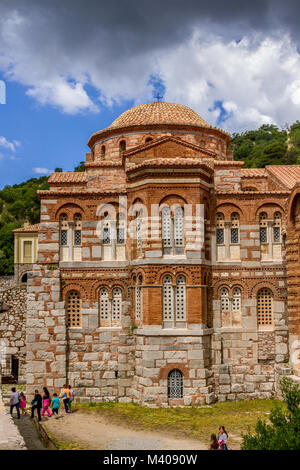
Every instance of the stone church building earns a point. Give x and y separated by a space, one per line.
166 273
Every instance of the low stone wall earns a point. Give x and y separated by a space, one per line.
12 326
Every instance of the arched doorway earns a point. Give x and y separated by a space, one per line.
24 278
175 384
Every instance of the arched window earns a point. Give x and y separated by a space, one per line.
63 229
234 231
236 299
102 154
148 139
116 306
264 307
138 298
225 302
175 384
121 229
104 306
122 146
178 227
263 227
73 309
77 229
168 300
220 239
106 229
180 299
166 227
277 228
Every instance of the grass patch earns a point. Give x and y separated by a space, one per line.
6 388
63 445
195 421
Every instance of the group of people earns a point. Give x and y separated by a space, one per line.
42 403
219 442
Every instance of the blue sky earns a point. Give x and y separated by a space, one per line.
70 73
48 138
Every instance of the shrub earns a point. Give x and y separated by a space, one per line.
283 430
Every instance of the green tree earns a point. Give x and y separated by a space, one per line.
80 167
283 430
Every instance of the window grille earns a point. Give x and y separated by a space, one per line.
264 307
263 234
167 299
116 305
277 228
166 227
236 300
106 236
121 236
220 236
225 303
77 237
276 234
180 297
138 302
234 235
178 227
139 234
73 309
175 384
104 305
64 237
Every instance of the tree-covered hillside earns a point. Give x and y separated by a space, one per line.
268 145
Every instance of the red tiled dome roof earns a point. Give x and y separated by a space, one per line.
158 113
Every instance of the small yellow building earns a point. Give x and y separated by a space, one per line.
26 248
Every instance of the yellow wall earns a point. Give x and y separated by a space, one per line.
24 252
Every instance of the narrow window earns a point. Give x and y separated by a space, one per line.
168 299
264 307
263 228
77 229
220 229
234 231
121 229
106 229
102 154
139 232
73 309
178 227
277 228
104 306
138 298
180 296
175 384
166 228
225 303
148 139
236 299
116 306
122 146
63 230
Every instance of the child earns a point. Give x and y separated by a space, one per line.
222 438
213 445
46 402
71 399
22 403
55 404
36 405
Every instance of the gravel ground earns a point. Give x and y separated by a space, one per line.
92 431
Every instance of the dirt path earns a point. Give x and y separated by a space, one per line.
92 431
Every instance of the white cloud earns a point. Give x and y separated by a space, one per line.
255 79
41 171
9 145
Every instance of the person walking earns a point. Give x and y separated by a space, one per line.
222 438
213 445
55 404
71 399
36 405
22 405
46 402
65 395
15 402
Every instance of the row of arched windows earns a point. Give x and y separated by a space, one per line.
234 304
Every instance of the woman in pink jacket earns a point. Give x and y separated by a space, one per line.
46 402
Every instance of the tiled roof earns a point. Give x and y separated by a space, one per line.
68 177
288 175
159 113
253 172
28 229
170 162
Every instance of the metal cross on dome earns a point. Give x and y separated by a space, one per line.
158 97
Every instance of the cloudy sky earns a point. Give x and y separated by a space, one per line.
71 67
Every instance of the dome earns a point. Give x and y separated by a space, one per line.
158 113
